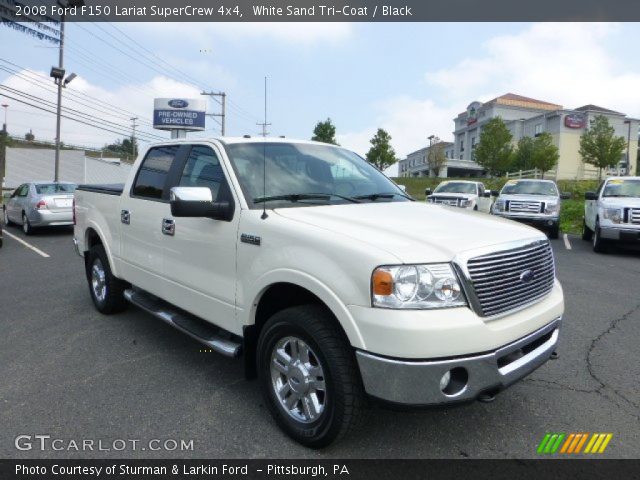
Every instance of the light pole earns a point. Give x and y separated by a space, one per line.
57 73
5 127
628 166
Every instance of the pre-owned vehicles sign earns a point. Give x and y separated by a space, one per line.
179 113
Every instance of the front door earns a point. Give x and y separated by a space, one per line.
200 256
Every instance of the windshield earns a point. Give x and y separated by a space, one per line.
456 187
529 187
622 188
45 188
295 171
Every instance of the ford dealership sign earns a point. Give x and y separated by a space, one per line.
179 113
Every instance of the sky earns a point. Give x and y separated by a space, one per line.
411 79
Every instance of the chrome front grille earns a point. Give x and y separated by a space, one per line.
451 201
508 279
634 216
517 206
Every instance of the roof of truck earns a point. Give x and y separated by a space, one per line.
245 139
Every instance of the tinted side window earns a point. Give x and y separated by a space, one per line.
24 190
153 172
203 169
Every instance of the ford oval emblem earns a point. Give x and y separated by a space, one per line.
177 103
527 276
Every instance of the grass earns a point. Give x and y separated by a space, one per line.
571 215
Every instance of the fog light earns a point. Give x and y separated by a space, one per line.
444 381
550 223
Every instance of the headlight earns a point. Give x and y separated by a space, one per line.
465 202
551 208
499 206
416 286
613 214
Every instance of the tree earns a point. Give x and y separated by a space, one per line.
544 155
599 146
381 153
522 155
127 148
29 137
435 157
494 151
325 132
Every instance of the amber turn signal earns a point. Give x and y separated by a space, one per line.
382 281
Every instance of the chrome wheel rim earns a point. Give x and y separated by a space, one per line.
98 280
298 379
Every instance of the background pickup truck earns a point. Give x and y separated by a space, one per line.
462 194
333 284
534 202
612 214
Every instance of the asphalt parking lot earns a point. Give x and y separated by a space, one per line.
69 372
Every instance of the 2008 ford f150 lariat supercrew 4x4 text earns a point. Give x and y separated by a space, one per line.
333 284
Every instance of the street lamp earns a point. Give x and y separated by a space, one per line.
57 73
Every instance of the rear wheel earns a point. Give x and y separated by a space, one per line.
107 291
26 226
587 233
308 376
599 245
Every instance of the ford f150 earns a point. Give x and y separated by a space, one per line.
333 284
612 214
462 194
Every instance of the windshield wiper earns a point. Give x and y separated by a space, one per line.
295 197
374 196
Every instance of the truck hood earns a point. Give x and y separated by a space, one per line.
414 232
608 202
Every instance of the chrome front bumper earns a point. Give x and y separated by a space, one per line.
620 233
418 382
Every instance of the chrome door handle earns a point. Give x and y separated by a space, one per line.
125 217
168 226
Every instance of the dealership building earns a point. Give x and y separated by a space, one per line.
525 116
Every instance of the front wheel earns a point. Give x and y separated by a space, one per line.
599 244
554 232
308 376
107 291
7 222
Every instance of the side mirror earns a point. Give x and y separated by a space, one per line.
403 188
565 196
428 191
198 202
487 194
591 196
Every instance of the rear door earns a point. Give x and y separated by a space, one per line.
200 256
142 209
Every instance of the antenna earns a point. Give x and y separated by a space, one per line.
264 153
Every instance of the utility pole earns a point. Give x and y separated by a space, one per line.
264 124
133 136
5 126
223 113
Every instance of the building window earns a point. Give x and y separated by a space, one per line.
473 143
537 129
462 145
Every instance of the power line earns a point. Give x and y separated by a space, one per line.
223 104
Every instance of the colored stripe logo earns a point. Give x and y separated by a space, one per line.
573 443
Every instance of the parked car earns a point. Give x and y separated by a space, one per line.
534 202
461 193
331 282
612 214
40 204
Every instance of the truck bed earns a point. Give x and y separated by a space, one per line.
107 189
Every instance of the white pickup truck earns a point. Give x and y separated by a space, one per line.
612 214
462 194
333 284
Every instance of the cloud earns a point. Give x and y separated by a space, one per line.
569 64
127 100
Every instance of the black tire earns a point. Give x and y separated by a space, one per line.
587 233
344 398
599 245
7 222
112 300
26 225
554 232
